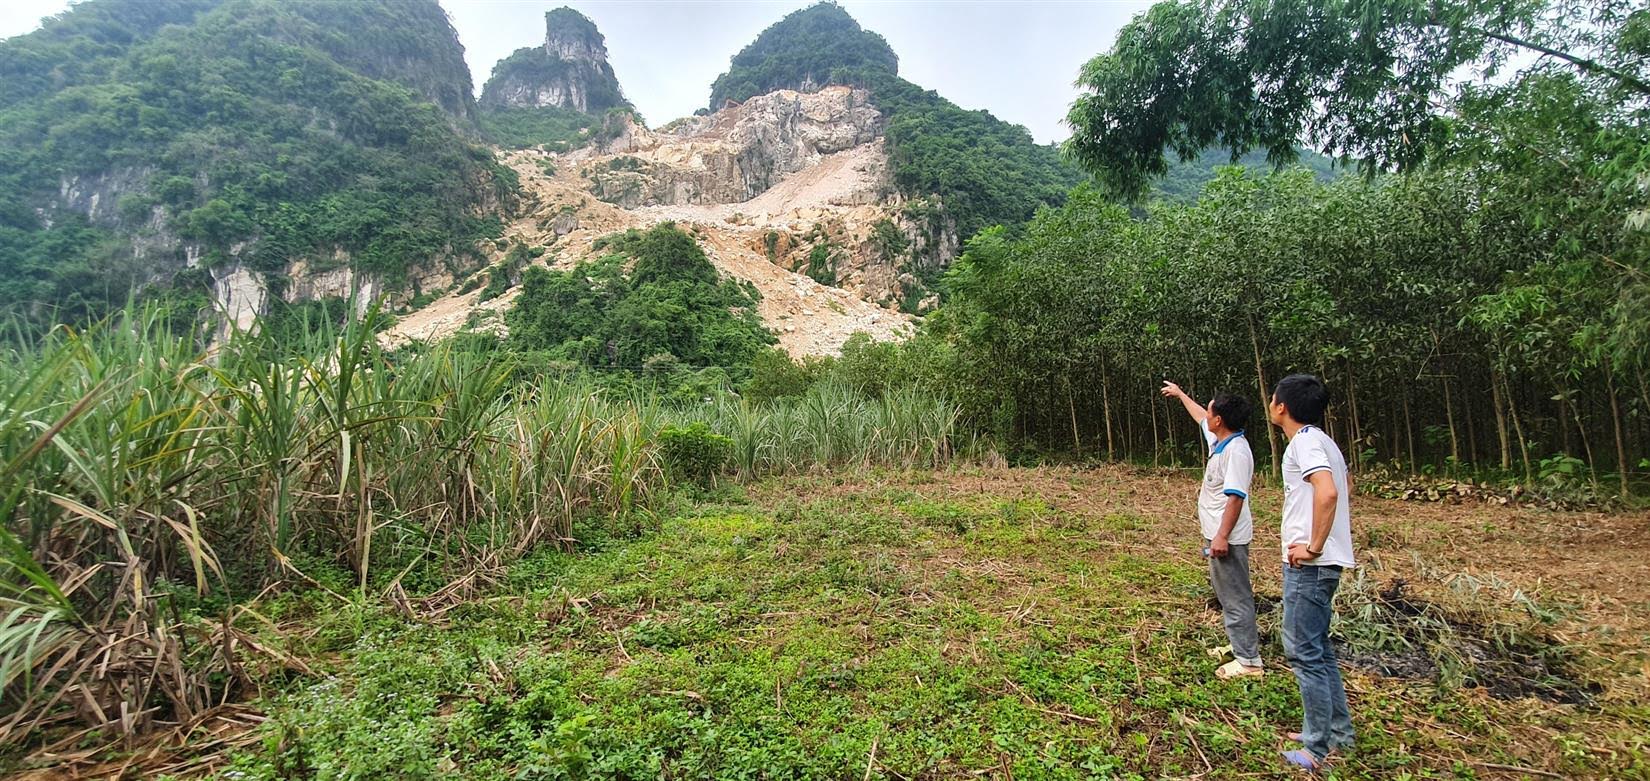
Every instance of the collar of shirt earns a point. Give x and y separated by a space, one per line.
1221 445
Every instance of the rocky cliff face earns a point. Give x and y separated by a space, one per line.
732 155
569 71
151 251
571 36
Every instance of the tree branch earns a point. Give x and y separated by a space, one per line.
1589 65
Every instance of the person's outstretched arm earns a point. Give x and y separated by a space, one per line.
1194 409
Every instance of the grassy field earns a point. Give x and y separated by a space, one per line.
1014 624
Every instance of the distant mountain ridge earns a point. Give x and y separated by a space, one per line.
1186 178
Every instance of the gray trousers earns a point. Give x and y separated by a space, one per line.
1230 577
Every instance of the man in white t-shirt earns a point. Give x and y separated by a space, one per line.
1223 513
1317 547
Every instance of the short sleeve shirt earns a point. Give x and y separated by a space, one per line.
1230 469
1311 451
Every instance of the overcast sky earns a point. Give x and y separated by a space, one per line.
1014 59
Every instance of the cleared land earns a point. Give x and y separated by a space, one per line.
1024 624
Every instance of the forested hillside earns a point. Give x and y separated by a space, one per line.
802 51
145 137
1185 179
652 300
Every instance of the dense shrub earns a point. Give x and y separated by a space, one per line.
775 375
552 129
693 453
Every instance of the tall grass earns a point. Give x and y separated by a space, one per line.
834 426
141 477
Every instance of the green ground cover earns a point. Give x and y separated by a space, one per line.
1026 624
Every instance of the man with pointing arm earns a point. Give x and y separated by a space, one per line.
1223 513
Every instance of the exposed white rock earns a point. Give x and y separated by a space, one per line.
565 223
569 93
574 48
98 195
733 155
238 295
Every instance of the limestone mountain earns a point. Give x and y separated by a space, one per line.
802 52
788 192
247 150
568 71
986 171
254 155
554 95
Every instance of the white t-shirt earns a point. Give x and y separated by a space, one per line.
1230 469
1311 451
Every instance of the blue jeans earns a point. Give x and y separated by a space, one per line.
1308 596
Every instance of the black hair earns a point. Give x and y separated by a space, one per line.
1233 410
1304 396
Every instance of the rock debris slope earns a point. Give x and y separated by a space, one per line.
789 191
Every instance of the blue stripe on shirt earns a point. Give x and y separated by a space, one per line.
1221 445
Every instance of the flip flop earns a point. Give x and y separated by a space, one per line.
1219 652
1304 760
1236 669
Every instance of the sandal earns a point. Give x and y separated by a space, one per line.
1304 760
1295 737
1237 669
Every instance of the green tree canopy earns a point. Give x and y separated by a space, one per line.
1554 158
654 294
1369 79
